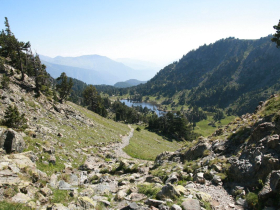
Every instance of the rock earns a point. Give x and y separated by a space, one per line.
52 159
12 141
120 195
131 206
20 160
50 150
53 181
199 178
168 191
86 202
191 204
272 184
42 199
137 196
172 179
163 207
218 146
153 179
240 202
196 151
182 190
261 131
190 184
87 192
73 179
46 191
153 202
175 207
20 198
217 180
31 155
57 206
31 204
62 185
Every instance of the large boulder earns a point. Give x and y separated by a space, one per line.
196 151
272 185
191 204
168 191
12 141
261 131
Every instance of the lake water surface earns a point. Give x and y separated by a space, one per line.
151 106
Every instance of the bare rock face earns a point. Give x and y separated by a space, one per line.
11 141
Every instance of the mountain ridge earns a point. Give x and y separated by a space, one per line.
219 74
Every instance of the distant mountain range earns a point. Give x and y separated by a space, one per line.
129 83
228 73
93 69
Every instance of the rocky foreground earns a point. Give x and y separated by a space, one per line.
66 160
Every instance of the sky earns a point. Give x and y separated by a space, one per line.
159 31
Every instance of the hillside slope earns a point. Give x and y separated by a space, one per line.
229 72
67 158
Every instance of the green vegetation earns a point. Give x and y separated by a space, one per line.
61 196
94 101
151 145
4 205
276 37
148 189
271 107
5 81
252 200
205 127
13 119
64 86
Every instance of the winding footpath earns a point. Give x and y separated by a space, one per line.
125 142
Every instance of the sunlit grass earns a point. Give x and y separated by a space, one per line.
147 145
204 129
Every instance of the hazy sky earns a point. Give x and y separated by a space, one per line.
161 31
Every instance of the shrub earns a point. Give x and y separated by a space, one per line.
5 81
148 189
138 129
13 119
252 200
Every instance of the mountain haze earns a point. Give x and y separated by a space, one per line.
129 83
92 69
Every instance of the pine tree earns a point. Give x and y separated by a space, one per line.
64 87
276 37
13 119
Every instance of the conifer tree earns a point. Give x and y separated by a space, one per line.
276 37
64 87
13 119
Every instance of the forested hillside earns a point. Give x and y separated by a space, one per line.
229 72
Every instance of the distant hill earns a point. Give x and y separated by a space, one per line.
129 83
92 69
149 69
229 72
86 75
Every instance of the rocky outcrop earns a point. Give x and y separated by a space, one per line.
11 141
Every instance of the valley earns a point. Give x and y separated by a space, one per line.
68 145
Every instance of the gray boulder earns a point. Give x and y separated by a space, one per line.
175 207
153 202
191 204
168 191
196 151
12 141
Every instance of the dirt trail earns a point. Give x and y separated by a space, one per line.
125 141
